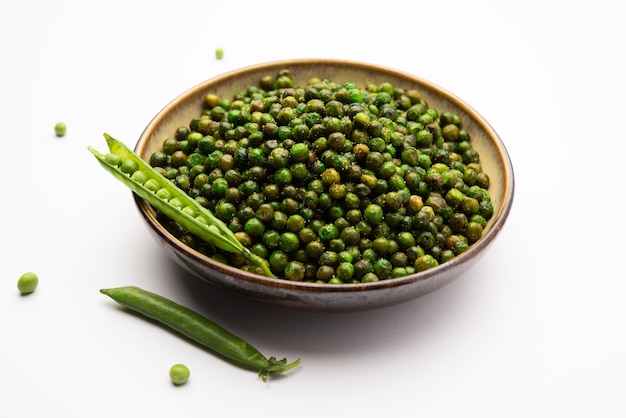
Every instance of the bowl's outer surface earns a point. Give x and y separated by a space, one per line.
324 297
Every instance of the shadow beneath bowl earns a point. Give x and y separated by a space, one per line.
275 330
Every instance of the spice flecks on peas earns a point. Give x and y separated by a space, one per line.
300 170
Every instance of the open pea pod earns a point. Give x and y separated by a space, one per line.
126 166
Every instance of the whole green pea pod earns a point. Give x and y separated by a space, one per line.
199 329
126 166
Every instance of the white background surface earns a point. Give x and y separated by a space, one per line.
536 329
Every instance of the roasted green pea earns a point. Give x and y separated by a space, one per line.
279 222
294 271
289 242
345 271
260 250
458 222
328 232
425 262
278 261
225 211
454 197
482 180
271 239
283 176
325 273
314 249
374 214
345 256
330 176
382 268
474 231
470 206
369 278
398 259
380 245
329 258
295 223
362 267
265 212
460 246
254 227
486 209
306 235
337 191
336 245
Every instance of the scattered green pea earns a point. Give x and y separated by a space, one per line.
27 283
179 374
219 53
60 129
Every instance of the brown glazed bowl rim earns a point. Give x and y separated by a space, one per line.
257 281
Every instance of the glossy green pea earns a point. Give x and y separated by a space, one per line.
129 166
60 129
328 232
179 374
374 214
139 177
113 159
199 329
27 283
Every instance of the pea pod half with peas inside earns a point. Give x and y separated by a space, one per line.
166 197
199 329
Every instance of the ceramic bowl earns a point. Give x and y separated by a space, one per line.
331 297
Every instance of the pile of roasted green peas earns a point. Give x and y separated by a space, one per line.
331 182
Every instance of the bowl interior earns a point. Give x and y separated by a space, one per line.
493 157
